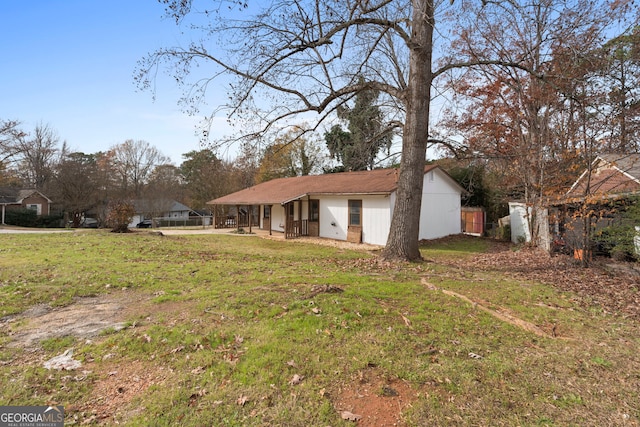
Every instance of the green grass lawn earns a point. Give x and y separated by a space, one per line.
236 331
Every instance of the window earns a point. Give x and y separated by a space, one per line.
267 212
314 210
35 207
355 212
290 208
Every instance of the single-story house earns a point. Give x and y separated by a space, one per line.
14 198
353 206
612 176
161 210
600 192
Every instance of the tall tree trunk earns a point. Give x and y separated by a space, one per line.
405 223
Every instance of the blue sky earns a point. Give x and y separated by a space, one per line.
70 64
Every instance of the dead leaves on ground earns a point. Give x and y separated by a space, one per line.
614 291
297 379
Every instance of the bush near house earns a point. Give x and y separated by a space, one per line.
617 240
21 217
29 218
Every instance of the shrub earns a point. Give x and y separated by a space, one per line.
120 215
21 217
618 240
50 221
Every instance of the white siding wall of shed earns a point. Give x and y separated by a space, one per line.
376 218
440 211
518 213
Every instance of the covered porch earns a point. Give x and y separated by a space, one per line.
290 218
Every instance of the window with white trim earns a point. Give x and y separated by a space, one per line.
355 212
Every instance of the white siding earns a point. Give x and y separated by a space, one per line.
177 214
376 218
277 218
440 211
334 214
518 214
278 215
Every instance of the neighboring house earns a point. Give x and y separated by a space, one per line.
13 198
611 176
161 210
610 181
352 206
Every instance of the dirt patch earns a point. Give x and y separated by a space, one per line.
116 386
374 401
84 319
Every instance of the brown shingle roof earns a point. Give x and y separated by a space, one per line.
283 190
612 174
10 195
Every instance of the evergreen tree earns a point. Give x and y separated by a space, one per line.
358 147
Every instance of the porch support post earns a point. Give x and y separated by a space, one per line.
286 220
270 218
237 217
250 213
299 231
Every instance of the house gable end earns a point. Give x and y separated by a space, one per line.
610 174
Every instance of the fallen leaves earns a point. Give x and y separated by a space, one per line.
613 287
292 363
297 379
330 289
198 370
407 322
